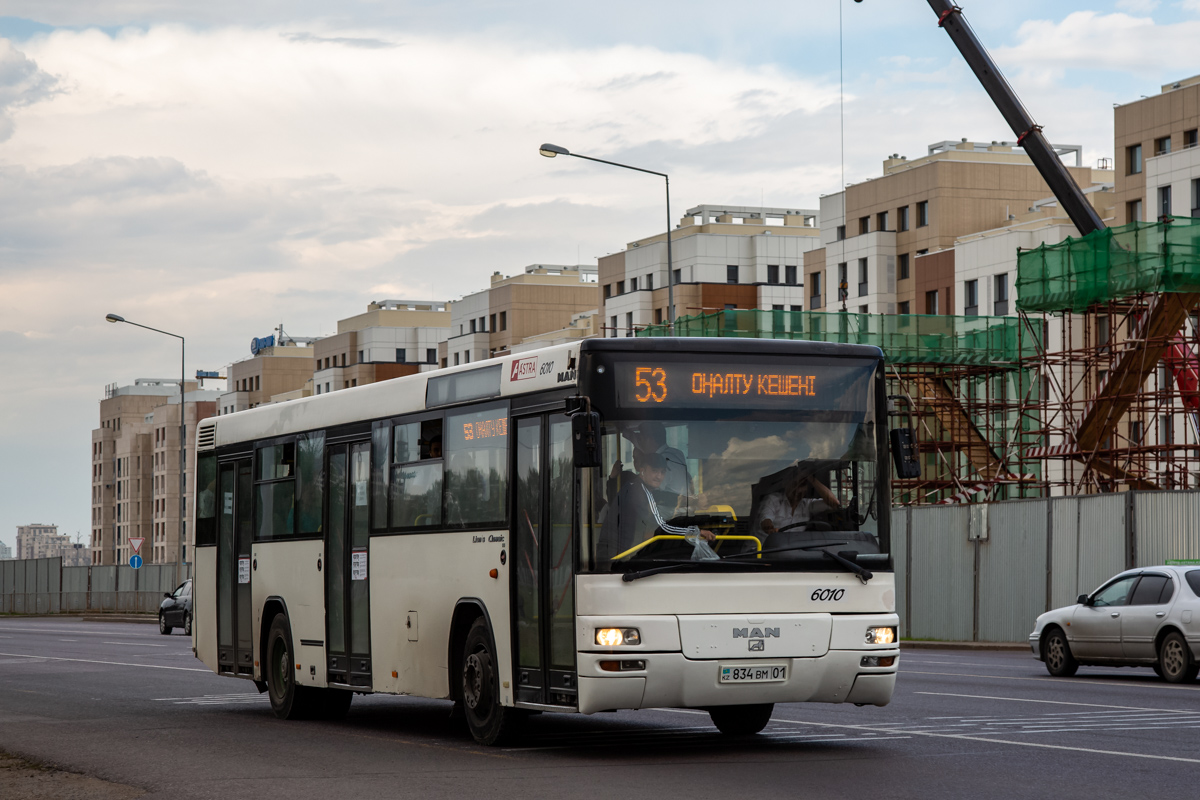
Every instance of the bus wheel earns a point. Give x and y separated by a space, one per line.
288 700
335 703
741 720
489 722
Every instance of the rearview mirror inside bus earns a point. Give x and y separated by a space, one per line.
585 429
904 453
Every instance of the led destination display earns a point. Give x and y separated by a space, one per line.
742 385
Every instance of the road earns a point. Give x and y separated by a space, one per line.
122 703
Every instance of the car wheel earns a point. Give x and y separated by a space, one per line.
163 627
1175 659
288 700
741 720
1057 654
187 624
489 722
1157 669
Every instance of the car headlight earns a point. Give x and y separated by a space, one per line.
612 637
881 635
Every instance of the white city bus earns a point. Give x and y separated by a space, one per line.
611 524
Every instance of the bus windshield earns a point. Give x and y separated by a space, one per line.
790 487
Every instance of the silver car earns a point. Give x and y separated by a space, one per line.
1145 617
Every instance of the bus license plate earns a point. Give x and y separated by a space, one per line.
754 673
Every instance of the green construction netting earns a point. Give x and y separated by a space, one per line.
904 338
1108 264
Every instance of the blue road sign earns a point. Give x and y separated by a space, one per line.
135 561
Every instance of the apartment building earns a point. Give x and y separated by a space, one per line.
887 244
39 540
1158 162
280 367
392 338
6 552
722 257
542 298
135 469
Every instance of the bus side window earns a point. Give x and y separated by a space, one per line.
311 482
381 439
476 452
416 474
275 511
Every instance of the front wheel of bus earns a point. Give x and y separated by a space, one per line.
489 722
741 720
288 700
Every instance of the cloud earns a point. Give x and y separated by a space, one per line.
1137 6
347 41
22 83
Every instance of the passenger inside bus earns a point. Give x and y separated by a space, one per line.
634 515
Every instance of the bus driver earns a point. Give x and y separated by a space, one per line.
796 504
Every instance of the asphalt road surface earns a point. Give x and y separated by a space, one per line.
124 704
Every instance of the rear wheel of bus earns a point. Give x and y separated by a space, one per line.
288 700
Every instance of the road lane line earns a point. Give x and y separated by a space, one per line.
73 631
111 663
136 644
1054 702
1059 681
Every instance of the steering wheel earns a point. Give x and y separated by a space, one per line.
811 525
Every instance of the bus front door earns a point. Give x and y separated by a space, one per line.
544 562
347 596
235 534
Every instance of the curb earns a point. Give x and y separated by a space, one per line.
147 619
1020 647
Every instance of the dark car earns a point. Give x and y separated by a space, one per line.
176 610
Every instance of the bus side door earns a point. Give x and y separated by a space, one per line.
544 560
235 534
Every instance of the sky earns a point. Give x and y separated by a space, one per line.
217 168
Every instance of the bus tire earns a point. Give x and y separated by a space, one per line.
489 722
335 703
288 700
741 720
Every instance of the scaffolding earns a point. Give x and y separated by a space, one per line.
1121 401
965 385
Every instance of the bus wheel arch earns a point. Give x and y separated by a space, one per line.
271 608
466 611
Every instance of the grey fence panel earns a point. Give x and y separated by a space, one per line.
899 557
1012 570
104 589
1064 551
127 584
1166 526
1101 540
75 589
943 566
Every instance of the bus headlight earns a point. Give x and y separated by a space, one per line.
612 637
881 635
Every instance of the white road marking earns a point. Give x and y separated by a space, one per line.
111 663
136 644
72 631
1061 681
68 640
216 699
1051 702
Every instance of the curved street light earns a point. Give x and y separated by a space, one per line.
182 430
552 150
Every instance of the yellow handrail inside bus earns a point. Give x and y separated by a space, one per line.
676 536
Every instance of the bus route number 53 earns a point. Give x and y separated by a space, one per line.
651 383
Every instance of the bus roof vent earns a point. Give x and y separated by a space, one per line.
207 436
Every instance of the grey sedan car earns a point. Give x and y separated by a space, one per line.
1145 617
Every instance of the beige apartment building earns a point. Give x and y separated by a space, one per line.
391 339
722 257
135 469
274 370
543 298
888 242
1158 162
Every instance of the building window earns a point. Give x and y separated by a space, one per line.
864 225
678 276
400 355
815 301
1000 284
649 283
456 357
607 290
327 387
633 284
902 218
620 287
731 306
863 310
795 308
658 316
904 266
905 307
318 365
922 252
361 360
789 273
629 323
1133 160
1162 146
931 302
612 324
881 221
473 326
492 323
731 273
841 232
862 277
971 298
1164 201
483 324
1136 432
922 213
1133 210
843 285
431 355
257 388
1196 197
445 362
1189 139
503 320
772 273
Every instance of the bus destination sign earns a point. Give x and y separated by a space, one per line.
698 385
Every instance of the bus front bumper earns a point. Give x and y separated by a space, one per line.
670 680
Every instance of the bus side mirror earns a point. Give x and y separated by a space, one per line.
585 427
904 453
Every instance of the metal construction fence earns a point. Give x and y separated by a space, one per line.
963 572
45 586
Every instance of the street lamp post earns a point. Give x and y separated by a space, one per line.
182 425
552 150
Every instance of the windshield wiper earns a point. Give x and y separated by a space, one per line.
862 572
675 565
